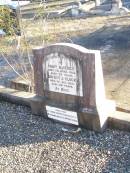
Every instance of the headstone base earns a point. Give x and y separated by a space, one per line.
86 118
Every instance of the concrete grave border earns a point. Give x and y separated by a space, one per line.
119 120
92 107
96 111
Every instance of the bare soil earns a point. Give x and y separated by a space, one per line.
113 40
109 34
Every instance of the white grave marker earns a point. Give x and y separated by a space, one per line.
62 115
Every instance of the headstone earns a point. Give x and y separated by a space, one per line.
69 86
97 2
74 11
2 33
116 5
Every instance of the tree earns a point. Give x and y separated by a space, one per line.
9 20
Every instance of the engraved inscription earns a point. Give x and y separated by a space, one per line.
62 115
62 75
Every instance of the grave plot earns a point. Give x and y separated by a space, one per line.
69 86
69 89
89 28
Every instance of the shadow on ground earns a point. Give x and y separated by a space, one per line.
114 43
114 36
28 139
88 150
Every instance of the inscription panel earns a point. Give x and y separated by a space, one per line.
62 75
62 115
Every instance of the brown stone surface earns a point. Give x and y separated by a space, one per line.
88 69
88 72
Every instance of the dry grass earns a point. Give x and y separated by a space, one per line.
37 34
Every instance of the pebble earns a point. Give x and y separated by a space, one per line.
33 144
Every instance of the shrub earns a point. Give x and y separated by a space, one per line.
8 20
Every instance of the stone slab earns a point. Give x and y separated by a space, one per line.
118 120
15 96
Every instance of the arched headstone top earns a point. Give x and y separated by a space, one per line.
70 79
67 48
83 61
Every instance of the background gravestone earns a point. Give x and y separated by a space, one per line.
69 86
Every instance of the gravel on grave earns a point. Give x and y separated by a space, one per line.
33 144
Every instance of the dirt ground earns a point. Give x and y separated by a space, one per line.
109 34
113 40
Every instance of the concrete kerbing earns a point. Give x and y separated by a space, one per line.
118 120
15 96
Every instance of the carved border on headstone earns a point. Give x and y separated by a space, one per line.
91 107
87 60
